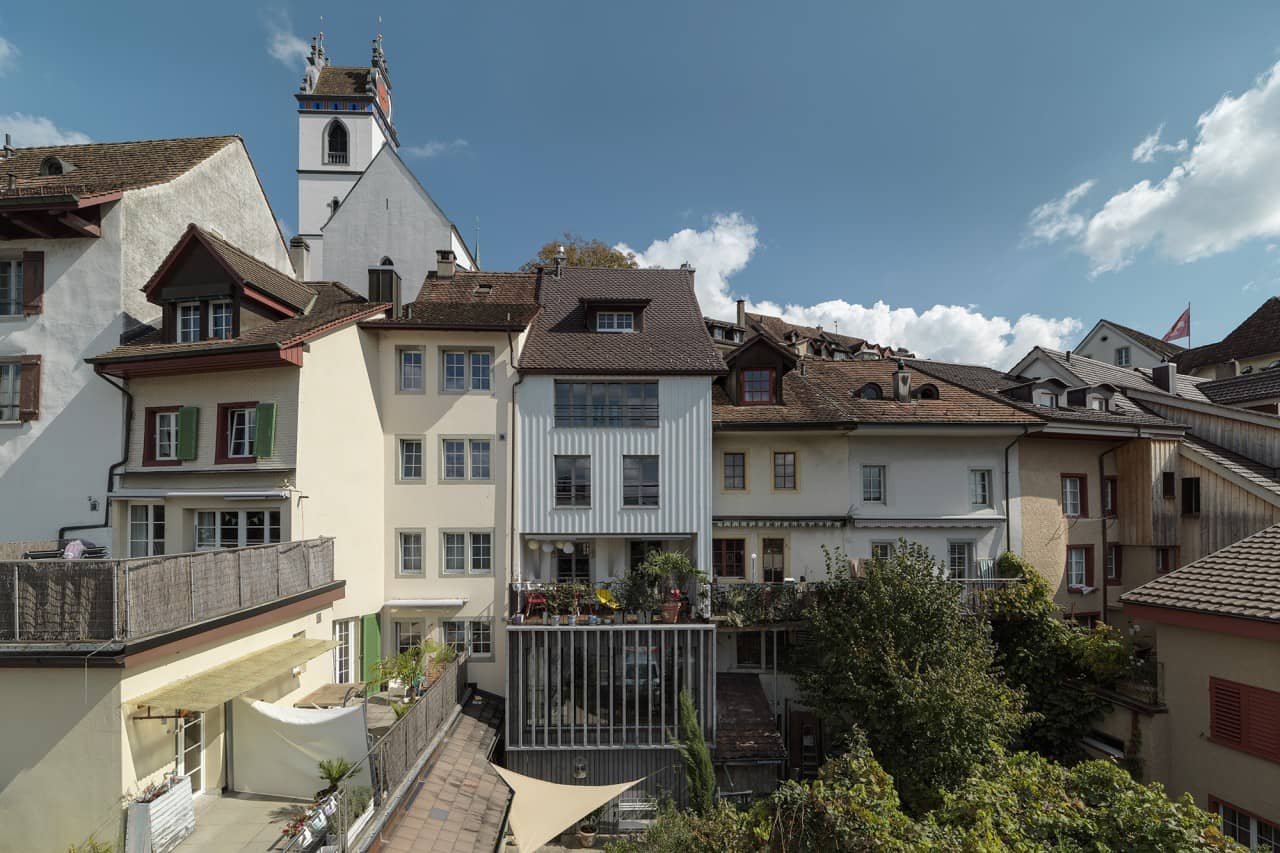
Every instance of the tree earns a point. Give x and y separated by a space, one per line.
897 656
699 773
581 252
1055 663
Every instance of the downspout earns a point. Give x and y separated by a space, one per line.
1102 486
1008 511
511 496
111 471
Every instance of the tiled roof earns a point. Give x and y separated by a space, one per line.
471 300
824 394
107 167
1259 385
1240 581
673 338
1259 334
1091 371
338 81
1159 347
744 721
1263 476
334 305
779 329
254 272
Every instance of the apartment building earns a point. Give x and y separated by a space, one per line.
82 227
1123 346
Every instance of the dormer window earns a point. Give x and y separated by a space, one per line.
615 321
718 333
870 391
757 386
928 392
51 166
1047 399
737 336
1098 404
221 320
188 322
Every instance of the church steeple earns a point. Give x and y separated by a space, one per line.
315 62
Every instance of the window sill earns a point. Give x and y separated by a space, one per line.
1080 589
571 507
415 481
12 423
627 508
418 576
161 463
16 318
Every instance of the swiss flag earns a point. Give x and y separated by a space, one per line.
1181 327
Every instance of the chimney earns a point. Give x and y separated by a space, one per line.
300 255
902 383
446 263
560 261
742 313
1165 376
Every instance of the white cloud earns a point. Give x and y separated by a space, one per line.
1150 146
8 55
1057 219
435 148
30 131
283 43
947 332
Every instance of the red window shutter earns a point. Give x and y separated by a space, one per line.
1088 566
32 283
1262 722
1226 712
29 388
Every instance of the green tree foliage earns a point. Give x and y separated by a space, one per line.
1054 662
581 252
699 773
896 655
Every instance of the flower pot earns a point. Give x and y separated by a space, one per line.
631 618
671 612
555 619
573 618
587 835
516 619
170 817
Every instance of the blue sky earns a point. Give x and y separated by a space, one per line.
816 158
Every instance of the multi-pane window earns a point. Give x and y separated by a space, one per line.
410 549
873 484
1110 495
344 652
408 635
735 471
757 385
220 320
10 390
980 487
615 321
575 567
236 528
474 635
455 553
639 481
410 459
188 322
773 564
480 370
166 435
606 404
728 558
1077 566
1047 399
1113 563
881 550
959 559
1072 491
784 470
573 481
146 530
480 459
1251 831
455 371
481 552
466 370
454 456
411 370
463 459
10 287
467 552
241 432
1123 357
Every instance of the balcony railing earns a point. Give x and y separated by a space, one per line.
765 603
70 601
615 415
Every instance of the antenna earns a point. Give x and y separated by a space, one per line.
476 254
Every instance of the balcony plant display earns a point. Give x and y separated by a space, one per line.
637 592
674 574
333 771
563 601
162 810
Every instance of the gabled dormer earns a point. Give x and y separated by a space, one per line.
755 372
1096 397
207 290
614 315
1047 392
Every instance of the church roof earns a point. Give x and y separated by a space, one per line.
339 81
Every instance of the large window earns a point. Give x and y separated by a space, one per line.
960 560
735 472
773 563
615 321
344 654
410 459
575 567
236 528
467 552
466 370
410 371
188 322
606 404
410 551
639 481
465 458
1073 496
873 484
757 385
980 487
784 471
1124 357
241 432
408 633
1249 830
336 148
728 558
10 287
221 320
166 436
146 530
1078 567
573 481
10 390
470 635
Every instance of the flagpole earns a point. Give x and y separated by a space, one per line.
1188 324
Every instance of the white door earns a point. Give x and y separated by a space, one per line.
190 750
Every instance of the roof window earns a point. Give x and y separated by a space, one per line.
870 391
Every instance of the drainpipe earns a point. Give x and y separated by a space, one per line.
1008 514
111 472
1102 494
511 480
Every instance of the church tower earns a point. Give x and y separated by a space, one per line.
344 119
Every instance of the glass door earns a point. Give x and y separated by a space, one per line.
190 749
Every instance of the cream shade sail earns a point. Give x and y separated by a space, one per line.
224 682
540 810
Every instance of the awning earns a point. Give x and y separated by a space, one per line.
224 682
540 810
397 603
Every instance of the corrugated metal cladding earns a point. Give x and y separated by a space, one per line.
682 441
659 769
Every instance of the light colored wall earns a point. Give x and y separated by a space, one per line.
682 442
180 516
317 189
1197 766
1216 371
1096 348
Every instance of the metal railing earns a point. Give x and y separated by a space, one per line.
68 601
616 415
974 592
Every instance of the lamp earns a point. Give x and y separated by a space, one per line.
548 547
533 544
567 548
579 768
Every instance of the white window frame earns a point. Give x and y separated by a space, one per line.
883 472
152 541
10 391
1124 357
480 378
1110 560
184 333
887 546
248 443
344 654
968 551
470 447
412 627
166 426
1083 567
405 549
473 379
1069 508
213 319
411 379
615 322
980 483
473 445
403 455
470 541
242 528
11 300
462 635
1047 399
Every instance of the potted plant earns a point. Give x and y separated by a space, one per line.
587 829
333 771
637 592
674 573
164 808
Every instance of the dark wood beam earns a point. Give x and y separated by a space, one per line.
31 227
81 226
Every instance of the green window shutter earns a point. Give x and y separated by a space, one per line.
370 648
264 442
188 433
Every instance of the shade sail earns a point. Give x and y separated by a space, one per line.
540 810
276 748
224 682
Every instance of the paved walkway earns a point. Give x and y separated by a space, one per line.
457 804
244 822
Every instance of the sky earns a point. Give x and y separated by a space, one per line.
964 179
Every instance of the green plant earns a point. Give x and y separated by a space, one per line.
636 591
699 773
564 598
90 845
407 667
401 708
359 798
334 770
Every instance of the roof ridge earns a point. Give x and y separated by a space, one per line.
225 136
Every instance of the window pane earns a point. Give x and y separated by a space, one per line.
749 649
980 488
1071 495
784 470
220 320
480 371
773 566
455 553
873 483
757 386
410 459
454 634
242 430
639 481
455 371
188 323
139 531
166 429
410 370
206 530
481 552
1075 567
735 471
481 637
410 553
958 559
881 550
10 288
455 459
255 527
728 558
9 390
573 481
480 460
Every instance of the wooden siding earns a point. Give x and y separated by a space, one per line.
1256 441
1228 514
1144 515
1164 510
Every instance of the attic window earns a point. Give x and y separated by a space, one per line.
870 391
386 262
1047 399
1098 404
718 333
928 392
737 336
51 166
615 321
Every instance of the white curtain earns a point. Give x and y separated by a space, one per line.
276 750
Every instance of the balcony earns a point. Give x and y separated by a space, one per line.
98 601
740 604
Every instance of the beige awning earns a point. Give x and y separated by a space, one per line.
226 681
540 810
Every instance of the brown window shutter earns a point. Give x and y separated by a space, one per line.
1226 712
1088 566
32 283
29 388
1262 713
